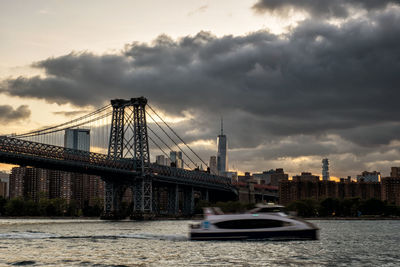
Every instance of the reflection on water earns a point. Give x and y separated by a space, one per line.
165 243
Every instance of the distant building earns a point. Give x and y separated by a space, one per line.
395 172
16 187
245 178
84 189
325 170
306 176
162 160
262 178
369 176
391 187
77 139
307 186
222 158
4 184
3 189
29 183
271 177
61 185
213 165
232 175
176 159
87 189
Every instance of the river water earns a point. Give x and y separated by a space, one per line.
41 242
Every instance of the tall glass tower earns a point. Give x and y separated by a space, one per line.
77 139
222 159
325 169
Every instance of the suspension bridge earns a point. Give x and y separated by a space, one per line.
120 154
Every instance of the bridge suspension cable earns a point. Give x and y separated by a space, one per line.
65 128
176 144
52 129
184 162
177 135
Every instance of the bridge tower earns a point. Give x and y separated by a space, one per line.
128 139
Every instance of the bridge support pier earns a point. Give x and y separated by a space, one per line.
188 200
143 195
113 194
173 200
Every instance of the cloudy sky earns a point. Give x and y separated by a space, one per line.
295 80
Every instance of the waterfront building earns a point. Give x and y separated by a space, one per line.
83 188
262 178
325 169
271 177
306 176
4 184
245 178
231 175
3 189
312 188
391 187
16 188
87 189
36 184
213 165
222 158
395 172
61 185
162 160
29 183
366 176
176 159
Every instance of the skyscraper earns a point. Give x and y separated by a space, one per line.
77 139
85 189
222 159
213 165
325 169
176 158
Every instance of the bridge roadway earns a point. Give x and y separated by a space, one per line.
27 153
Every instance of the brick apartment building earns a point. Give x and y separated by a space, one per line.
306 186
34 183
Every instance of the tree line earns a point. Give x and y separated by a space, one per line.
56 207
348 207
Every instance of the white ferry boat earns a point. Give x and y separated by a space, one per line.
264 222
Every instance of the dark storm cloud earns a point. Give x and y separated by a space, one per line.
316 80
321 8
8 114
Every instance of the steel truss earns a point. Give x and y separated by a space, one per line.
128 139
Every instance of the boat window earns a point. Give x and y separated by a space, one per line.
251 224
271 210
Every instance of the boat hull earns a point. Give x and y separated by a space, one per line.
306 234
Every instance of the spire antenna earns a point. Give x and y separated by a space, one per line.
222 125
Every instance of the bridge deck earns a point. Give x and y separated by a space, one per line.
26 153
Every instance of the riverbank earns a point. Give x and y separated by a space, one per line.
351 218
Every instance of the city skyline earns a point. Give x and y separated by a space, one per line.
295 83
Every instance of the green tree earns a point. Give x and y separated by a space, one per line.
3 203
72 208
372 206
304 208
15 207
330 207
31 208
